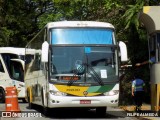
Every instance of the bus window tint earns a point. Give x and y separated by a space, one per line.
7 58
17 71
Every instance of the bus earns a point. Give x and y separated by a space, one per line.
12 71
76 64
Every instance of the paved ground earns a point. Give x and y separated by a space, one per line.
112 113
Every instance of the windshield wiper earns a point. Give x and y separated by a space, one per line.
95 75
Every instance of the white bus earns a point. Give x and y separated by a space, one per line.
76 66
12 70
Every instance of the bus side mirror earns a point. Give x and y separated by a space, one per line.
123 51
44 54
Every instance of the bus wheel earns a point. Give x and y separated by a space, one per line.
2 95
45 111
24 100
30 105
101 111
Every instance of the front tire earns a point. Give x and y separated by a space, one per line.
46 111
24 100
101 111
2 95
30 105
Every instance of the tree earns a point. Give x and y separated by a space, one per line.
21 20
137 40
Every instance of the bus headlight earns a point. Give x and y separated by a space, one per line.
111 93
57 93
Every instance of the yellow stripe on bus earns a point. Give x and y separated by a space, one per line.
75 90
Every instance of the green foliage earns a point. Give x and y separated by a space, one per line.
25 18
20 18
4 36
131 14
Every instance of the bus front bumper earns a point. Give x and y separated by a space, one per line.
70 101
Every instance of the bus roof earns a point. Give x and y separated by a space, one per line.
12 50
79 24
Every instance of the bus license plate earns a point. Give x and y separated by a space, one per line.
85 101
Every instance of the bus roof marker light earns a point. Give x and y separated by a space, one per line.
45 49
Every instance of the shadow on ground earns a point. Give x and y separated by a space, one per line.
72 113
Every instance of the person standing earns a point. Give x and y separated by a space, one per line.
138 92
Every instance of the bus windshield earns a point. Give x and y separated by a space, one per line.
84 64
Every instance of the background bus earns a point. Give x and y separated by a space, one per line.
76 66
12 71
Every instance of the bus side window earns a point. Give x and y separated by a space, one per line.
17 71
1 67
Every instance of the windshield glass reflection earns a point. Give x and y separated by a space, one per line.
83 64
